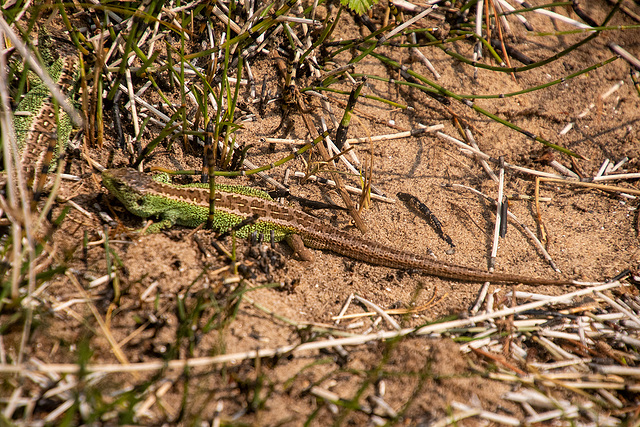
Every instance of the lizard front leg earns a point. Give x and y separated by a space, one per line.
167 220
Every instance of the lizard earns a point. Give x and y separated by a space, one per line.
188 205
40 139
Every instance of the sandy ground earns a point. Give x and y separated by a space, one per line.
591 235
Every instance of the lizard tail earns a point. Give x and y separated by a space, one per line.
375 253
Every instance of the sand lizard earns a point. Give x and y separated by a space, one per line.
188 205
40 139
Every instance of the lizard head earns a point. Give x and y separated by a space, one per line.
129 186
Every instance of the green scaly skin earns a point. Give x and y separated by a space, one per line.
184 212
40 139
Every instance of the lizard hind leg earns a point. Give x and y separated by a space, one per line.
297 245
